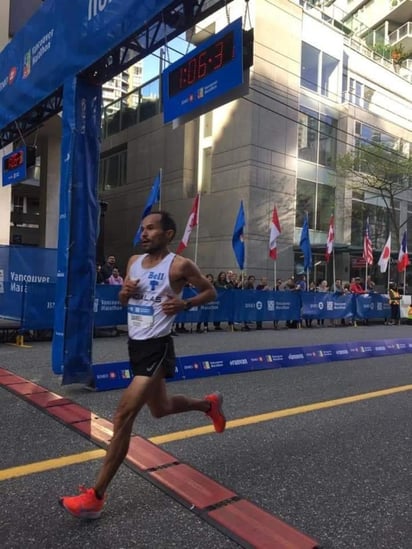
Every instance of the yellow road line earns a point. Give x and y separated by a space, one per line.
49 464
251 420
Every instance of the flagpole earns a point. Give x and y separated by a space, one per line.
333 267
389 273
197 227
274 275
160 188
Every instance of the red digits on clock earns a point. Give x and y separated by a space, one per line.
202 67
219 55
191 71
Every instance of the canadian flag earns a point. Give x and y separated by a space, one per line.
331 238
403 257
275 231
385 255
192 222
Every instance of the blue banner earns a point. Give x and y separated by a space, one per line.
244 306
21 266
11 304
38 307
321 305
61 40
117 375
36 311
30 299
368 306
79 211
255 305
107 308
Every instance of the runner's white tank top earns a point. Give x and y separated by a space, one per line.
145 318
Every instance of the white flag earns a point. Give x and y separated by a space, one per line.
385 255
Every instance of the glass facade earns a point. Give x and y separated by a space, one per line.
319 71
130 109
317 138
113 170
318 200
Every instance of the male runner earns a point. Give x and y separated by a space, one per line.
152 293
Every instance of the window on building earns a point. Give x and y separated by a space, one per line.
380 222
318 200
329 75
359 94
310 67
365 135
319 71
113 170
317 138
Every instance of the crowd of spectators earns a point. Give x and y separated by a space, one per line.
109 273
227 280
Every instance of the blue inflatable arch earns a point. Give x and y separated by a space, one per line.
61 58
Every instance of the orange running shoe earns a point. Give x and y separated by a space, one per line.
84 506
216 413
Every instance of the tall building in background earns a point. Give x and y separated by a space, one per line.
119 91
323 81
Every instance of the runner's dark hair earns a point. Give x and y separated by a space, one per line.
167 222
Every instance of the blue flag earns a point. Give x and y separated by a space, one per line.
237 239
305 244
153 198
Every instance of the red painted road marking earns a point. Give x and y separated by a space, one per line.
239 519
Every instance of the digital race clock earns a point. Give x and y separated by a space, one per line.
202 64
201 76
14 166
14 160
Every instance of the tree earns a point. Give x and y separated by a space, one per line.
382 171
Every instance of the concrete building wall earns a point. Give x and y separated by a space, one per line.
50 143
254 146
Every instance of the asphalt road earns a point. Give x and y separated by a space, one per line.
340 472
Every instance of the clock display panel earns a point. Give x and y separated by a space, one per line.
205 75
14 160
14 166
203 64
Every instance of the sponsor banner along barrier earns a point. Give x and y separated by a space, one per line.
117 375
33 304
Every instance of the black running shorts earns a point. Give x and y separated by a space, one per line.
147 355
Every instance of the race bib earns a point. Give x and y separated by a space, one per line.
140 316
